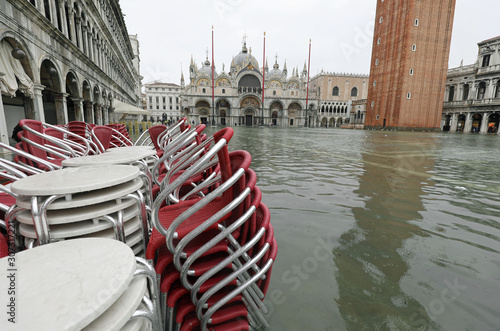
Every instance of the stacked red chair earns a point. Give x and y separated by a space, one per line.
121 136
213 245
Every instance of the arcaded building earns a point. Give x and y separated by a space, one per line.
341 98
409 64
64 60
472 97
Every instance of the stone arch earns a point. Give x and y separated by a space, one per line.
50 75
324 122
332 122
28 62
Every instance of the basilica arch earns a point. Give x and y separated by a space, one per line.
249 112
202 108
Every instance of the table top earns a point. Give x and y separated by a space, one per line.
74 180
89 197
125 156
130 148
67 285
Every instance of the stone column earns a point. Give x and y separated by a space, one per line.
105 111
85 48
89 112
53 12
468 123
4 133
78 29
484 123
62 9
72 26
41 7
29 111
61 108
453 123
78 104
38 112
98 112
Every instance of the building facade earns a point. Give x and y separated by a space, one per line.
163 101
238 98
341 99
472 98
64 60
409 64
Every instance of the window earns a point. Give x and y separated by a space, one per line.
204 90
451 94
354 92
177 100
157 107
408 96
378 41
378 117
150 99
374 83
274 92
170 107
376 62
411 72
157 99
466 92
336 91
486 60
373 104
414 48
164 107
381 19
150 107
177 107
497 90
223 90
170 100
164 99
416 22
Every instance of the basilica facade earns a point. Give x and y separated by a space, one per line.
238 97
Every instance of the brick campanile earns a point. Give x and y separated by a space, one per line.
411 47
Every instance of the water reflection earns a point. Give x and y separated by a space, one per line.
369 258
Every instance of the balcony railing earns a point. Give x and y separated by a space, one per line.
489 69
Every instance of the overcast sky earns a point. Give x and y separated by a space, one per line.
341 32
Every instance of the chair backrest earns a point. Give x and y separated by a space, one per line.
79 128
101 135
30 136
155 132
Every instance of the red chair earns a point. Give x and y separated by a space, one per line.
4 247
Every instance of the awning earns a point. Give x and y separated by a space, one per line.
124 108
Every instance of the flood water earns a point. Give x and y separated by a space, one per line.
380 230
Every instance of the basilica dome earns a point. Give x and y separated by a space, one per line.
244 58
276 72
206 69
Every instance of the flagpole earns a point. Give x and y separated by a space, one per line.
308 71
263 80
213 86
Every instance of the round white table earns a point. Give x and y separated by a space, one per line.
67 285
80 183
74 180
130 148
119 157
